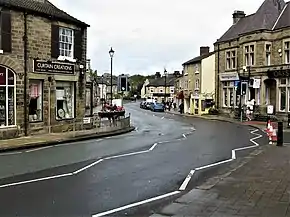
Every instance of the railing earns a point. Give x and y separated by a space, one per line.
71 128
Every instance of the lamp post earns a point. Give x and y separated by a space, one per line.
165 75
92 93
102 93
111 53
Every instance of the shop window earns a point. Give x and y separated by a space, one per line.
225 97
35 100
88 97
282 97
66 42
65 100
7 97
231 90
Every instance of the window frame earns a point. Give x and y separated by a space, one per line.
228 86
61 42
268 53
249 55
6 98
73 86
231 59
286 51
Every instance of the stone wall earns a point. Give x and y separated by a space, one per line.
259 39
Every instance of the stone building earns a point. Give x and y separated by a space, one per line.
42 68
255 50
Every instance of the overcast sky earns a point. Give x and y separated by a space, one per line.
148 35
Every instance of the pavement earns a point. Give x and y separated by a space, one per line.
133 174
258 186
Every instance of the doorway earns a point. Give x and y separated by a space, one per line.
271 92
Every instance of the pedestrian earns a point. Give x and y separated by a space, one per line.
248 114
181 108
174 106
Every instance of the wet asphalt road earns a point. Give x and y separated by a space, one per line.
119 181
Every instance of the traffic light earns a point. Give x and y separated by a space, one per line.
123 83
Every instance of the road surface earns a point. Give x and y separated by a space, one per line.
91 177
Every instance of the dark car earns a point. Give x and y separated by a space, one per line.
142 104
157 107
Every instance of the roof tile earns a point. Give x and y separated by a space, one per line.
42 7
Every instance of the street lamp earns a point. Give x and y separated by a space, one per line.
111 52
92 78
102 93
165 75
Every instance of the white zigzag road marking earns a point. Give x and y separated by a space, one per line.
85 167
187 179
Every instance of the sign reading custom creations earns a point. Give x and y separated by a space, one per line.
53 67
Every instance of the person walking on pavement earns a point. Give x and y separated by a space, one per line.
181 108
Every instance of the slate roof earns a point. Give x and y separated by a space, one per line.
264 19
198 59
284 20
41 7
160 82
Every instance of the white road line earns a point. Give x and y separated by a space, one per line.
12 153
87 167
189 176
125 155
186 180
36 180
184 136
153 146
162 118
214 164
38 149
136 204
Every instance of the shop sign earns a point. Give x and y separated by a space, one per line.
281 73
232 76
53 67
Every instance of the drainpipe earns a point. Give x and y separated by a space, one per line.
25 75
218 79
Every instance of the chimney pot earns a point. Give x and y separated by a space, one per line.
237 15
204 50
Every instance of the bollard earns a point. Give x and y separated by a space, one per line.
280 134
288 124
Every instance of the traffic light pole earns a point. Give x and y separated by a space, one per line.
241 93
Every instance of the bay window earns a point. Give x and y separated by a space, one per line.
35 100
7 97
65 100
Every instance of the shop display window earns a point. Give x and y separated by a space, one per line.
35 100
65 100
7 97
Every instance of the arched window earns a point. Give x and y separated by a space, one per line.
7 97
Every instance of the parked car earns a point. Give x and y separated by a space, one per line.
157 107
142 104
149 105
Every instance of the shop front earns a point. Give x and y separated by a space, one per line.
57 97
201 103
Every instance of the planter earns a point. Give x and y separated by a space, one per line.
111 114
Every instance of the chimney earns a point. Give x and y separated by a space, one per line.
204 50
237 15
